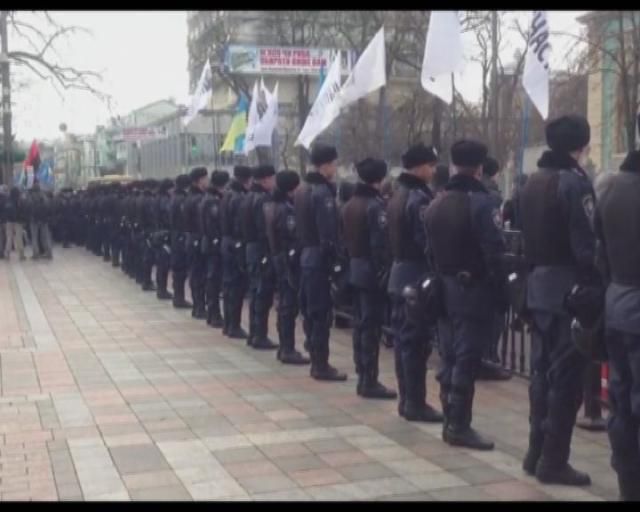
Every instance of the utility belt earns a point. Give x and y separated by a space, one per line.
424 300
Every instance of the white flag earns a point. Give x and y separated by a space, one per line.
368 74
535 78
326 107
264 130
252 121
442 54
202 94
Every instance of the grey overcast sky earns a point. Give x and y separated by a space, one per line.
143 58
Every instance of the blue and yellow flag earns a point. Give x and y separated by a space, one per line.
234 142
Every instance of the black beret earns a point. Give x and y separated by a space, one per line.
568 133
323 154
419 155
198 173
371 170
490 167
263 171
242 172
286 181
631 162
219 178
166 184
468 153
183 181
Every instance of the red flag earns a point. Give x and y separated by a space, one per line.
33 158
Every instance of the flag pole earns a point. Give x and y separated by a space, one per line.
454 115
525 132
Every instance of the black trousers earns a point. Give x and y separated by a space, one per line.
555 389
317 309
163 262
412 348
369 307
234 285
624 397
213 286
179 265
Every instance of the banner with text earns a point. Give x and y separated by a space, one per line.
280 60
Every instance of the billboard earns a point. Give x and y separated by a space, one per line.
280 60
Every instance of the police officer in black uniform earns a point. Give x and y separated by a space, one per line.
617 227
234 279
365 229
147 226
464 230
162 237
557 205
65 216
280 225
179 261
197 262
408 243
489 369
211 231
259 264
317 231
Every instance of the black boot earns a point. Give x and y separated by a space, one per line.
400 378
459 431
164 295
148 287
629 485
444 397
326 372
293 357
237 333
422 412
563 475
492 372
536 438
264 344
373 389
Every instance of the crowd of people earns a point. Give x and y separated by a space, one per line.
26 219
427 246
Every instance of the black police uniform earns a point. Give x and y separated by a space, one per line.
147 224
162 239
211 231
408 243
557 203
280 223
618 228
464 230
234 280
179 261
119 232
365 229
197 262
317 231
259 264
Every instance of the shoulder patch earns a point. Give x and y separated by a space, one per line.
423 212
329 203
497 218
589 205
382 219
291 223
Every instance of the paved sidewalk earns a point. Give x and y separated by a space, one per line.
109 394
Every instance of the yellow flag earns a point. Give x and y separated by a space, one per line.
236 131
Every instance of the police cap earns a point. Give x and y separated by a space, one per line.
263 171
631 162
198 173
490 167
287 180
418 155
323 154
242 172
183 181
371 170
468 153
219 178
568 133
165 184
